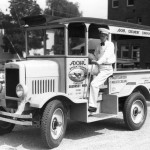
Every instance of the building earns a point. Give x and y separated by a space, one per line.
138 12
135 11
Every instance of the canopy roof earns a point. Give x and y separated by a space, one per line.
48 20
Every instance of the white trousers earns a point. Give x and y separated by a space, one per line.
97 81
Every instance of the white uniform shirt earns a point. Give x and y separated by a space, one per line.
105 54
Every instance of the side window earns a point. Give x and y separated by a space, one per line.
36 42
76 46
55 41
76 39
46 42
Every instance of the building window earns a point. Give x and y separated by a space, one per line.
130 2
139 20
124 51
115 3
6 50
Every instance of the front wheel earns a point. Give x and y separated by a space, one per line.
5 127
53 124
135 111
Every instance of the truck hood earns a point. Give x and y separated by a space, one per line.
36 68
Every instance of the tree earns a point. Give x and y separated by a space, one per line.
22 8
13 39
62 8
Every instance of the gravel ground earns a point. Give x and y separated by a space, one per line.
109 134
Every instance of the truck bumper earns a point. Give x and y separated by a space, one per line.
16 119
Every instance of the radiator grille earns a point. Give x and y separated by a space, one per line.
12 80
43 86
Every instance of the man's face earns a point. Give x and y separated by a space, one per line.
103 37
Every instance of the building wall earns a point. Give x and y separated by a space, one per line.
130 13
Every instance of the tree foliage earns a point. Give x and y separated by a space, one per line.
62 8
22 8
13 40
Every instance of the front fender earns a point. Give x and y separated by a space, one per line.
39 100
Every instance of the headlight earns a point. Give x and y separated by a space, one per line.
21 90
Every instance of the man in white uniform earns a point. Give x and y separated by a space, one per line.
104 58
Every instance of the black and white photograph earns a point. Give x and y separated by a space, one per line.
74 74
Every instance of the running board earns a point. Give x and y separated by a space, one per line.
98 117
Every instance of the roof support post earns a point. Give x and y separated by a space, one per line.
66 39
26 42
87 38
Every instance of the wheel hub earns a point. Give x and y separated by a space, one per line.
137 110
57 123
54 123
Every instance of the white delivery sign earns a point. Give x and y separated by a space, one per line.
77 77
129 31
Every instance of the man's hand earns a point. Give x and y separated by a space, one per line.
91 56
94 62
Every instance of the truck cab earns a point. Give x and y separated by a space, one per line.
52 84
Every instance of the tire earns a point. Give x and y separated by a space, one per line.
53 124
5 127
135 111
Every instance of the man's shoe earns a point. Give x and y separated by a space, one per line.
92 109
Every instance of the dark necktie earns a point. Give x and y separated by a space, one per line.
102 44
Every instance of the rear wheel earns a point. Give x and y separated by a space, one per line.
53 124
135 111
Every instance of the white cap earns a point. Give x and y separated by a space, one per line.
104 30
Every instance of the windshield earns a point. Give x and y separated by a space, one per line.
46 42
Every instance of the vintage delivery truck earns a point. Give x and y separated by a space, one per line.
52 84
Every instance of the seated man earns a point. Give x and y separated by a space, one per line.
103 60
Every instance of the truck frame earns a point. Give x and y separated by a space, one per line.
52 84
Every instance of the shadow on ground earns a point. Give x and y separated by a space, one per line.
30 138
77 130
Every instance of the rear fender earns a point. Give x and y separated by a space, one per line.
128 89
